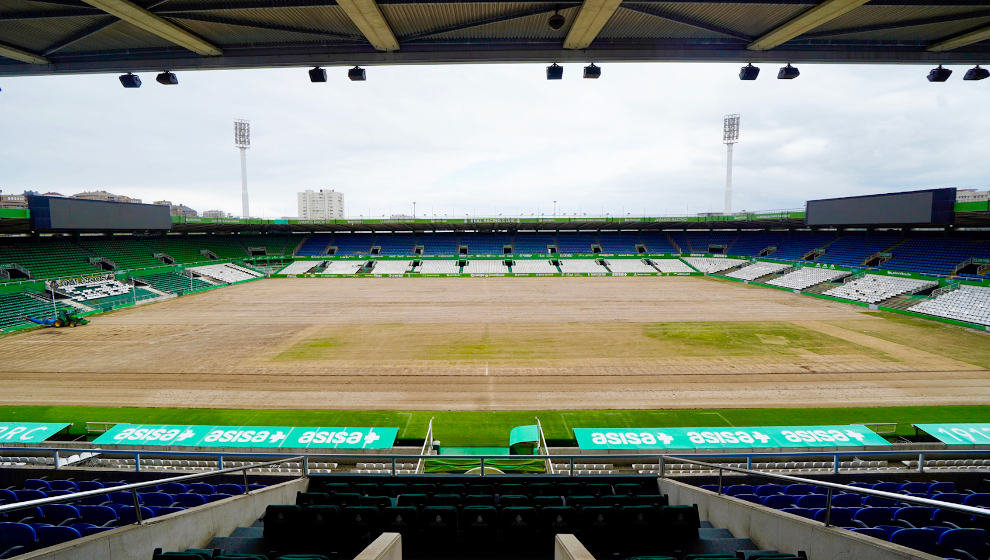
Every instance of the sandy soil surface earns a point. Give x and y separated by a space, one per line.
475 343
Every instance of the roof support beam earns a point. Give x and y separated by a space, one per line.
975 36
815 17
368 18
591 18
22 55
142 18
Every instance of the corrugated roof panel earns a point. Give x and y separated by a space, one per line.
873 15
413 19
119 36
326 18
26 6
630 24
222 34
918 33
530 27
749 19
39 34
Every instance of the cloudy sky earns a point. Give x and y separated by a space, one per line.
498 139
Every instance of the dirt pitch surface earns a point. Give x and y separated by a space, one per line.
486 343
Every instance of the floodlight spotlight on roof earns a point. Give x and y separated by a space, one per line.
129 80
556 21
749 72
317 74
357 74
555 72
592 72
976 73
939 74
167 78
788 73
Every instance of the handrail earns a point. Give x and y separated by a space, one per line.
427 446
541 444
134 487
960 508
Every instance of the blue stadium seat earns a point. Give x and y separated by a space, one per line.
847 500
159 511
232 489
977 500
85 485
189 500
812 501
97 515
970 541
52 535
839 516
64 485
801 489
87 529
28 495
951 497
779 501
217 497
58 514
873 516
202 488
915 488
173 488
918 539
872 532
128 515
36 484
750 498
914 516
941 487
737 489
156 499
7 497
16 539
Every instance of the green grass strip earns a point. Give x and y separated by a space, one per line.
488 428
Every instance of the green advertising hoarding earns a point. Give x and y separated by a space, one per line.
958 434
275 437
761 437
28 432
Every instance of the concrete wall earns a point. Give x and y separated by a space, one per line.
568 547
388 546
776 530
176 532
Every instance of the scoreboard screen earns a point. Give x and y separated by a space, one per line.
49 213
927 207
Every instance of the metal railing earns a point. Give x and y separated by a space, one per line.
542 447
134 487
830 487
426 450
645 458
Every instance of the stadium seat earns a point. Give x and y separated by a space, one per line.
158 499
838 516
36 484
768 490
801 489
202 488
51 535
217 497
189 500
97 515
737 489
232 489
802 512
128 514
479 524
159 511
977 500
779 501
847 500
914 516
439 527
7 496
403 520
812 501
919 539
963 541
87 529
173 488
59 514
871 532
64 485
16 539
873 516
556 520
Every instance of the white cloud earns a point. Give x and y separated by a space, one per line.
645 138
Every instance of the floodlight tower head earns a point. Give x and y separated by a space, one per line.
730 129
242 133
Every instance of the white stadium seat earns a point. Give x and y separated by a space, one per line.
806 277
227 272
344 267
391 267
486 266
300 267
712 265
758 269
967 303
671 265
573 266
440 266
533 266
629 265
874 288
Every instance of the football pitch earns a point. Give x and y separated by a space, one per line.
633 345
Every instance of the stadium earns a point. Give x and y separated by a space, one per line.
803 384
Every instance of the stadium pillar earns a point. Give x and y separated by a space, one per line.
244 192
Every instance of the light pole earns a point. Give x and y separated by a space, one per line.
414 209
242 139
555 209
730 135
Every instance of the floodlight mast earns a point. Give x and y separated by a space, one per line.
730 135
242 139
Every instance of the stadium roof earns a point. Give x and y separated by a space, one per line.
74 36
